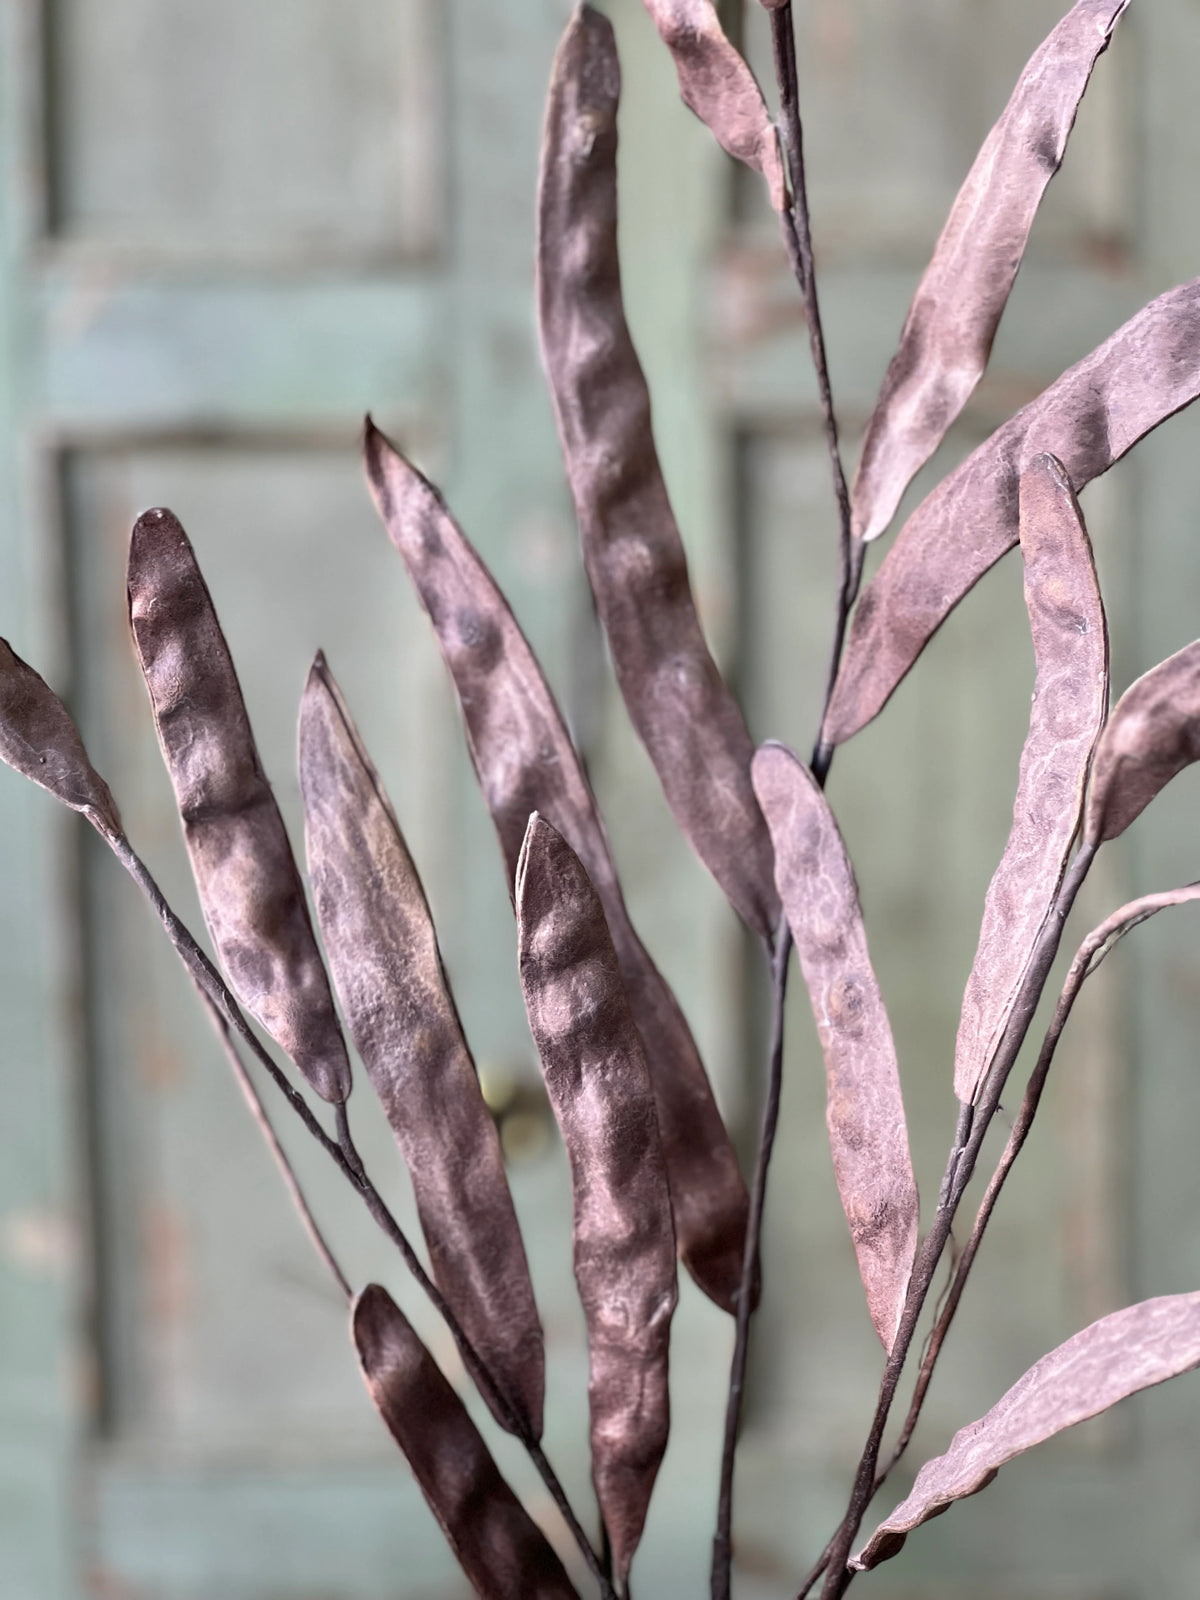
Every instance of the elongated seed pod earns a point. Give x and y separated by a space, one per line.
1153 733
1070 701
719 87
387 969
39 740
683 712
525 761
250 891
1088 418
868 1134
599 1086
1115 1357
956 310
498 1545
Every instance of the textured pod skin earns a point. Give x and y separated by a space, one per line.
599 1086
250 890
1070 701
868 1134
1088 418
683 712
1121 1354
387 969
40 741
956 310
525 762
1153 733
719 87
499 1547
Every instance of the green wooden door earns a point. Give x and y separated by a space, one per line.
226 233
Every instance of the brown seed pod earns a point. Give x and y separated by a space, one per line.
387 969
1115 1357
599 1086
868 1135
1153 733
1070 700
719 87
525 762
956 310
498 1545
250 891
39 740
683 712
1088 418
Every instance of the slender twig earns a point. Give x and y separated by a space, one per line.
797 234
959 1169
288 1173
722 1540
214 989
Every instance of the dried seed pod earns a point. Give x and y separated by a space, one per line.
868 1134
599 1086
1115 1357
1070 699
387 969
719 87
956 310
683 712
39 739
525 761
1153 733
250 891
498 1545
1088 418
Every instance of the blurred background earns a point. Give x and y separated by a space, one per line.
226 232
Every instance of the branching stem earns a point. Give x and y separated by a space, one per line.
343 1153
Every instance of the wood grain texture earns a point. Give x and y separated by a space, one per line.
387 968
1115 1357
599 1085
1153 733
948 333
525 762
246 876
1070 701
719 87
868 1135
684 714
498 1545
1088 418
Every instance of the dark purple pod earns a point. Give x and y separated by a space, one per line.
383 953
599 1085
525 762
868 1133
1070 701
718 86
1088 418
1118 1356
250 890
956 310
684 714
39 740
1153 733
501 1549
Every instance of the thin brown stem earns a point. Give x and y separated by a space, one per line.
722 1557
288 1173
959 1168
797 233
213 987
